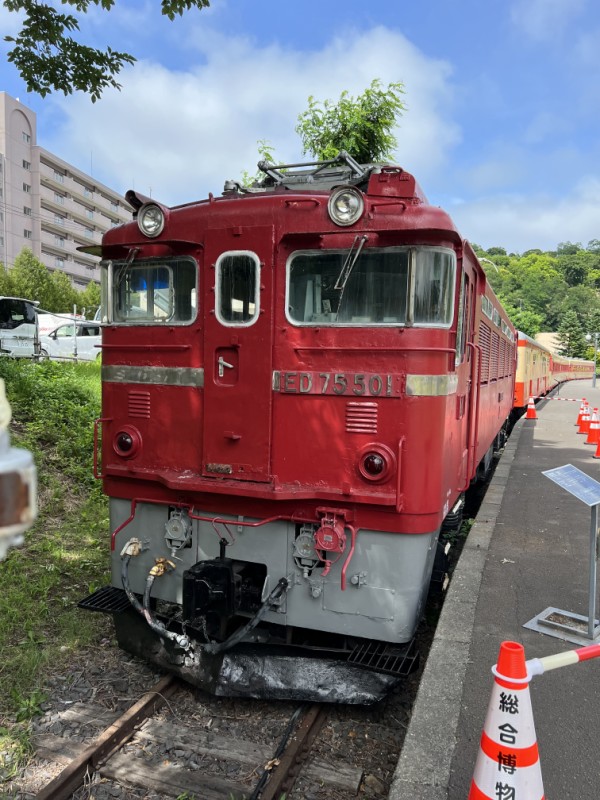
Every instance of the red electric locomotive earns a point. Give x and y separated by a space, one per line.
300 380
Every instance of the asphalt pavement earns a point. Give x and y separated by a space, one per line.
528 551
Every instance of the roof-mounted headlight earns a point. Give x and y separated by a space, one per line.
346 205
151 220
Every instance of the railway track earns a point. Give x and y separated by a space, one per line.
113 737
104 735
258 770
175 741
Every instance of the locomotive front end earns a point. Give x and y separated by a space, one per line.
290 400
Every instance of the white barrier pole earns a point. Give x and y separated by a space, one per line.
537 666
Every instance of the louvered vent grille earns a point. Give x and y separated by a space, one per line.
503 359
361 417
485 336
494 357
138 404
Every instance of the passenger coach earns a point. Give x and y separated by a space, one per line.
539 370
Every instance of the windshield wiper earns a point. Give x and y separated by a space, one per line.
351 259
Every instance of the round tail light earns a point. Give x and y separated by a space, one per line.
376 462
127 442
124 442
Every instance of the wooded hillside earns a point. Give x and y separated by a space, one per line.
550 291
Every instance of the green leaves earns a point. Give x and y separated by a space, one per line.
172 7
549 291
362 126
266 152
27 706
48 59
54 406
571 336
15 750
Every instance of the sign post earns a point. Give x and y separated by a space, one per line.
565 624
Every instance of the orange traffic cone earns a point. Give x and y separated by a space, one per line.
531 413
593 436
597 453
581 410
508 763
584 425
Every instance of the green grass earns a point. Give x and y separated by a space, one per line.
66 553
456 537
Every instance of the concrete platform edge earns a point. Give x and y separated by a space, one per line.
423 770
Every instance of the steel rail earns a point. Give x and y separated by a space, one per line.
285 773
74 774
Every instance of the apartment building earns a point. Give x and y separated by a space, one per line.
47 204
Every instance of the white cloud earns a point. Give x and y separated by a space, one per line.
504 167
183 133
544 20
520 223
585 48
546 126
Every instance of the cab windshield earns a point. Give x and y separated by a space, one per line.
384 286
151 291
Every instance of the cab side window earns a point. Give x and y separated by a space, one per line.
237 288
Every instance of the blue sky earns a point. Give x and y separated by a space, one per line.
502 126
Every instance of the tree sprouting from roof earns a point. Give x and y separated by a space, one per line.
361 126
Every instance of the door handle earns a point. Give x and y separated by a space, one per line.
221 363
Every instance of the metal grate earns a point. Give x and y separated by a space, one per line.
485 339
397 660
494 357
107 600
138 404
361 417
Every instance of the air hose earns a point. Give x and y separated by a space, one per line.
133 548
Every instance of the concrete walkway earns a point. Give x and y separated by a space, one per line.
527 550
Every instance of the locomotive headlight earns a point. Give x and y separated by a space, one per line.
151 220
127 442
376 462
346 205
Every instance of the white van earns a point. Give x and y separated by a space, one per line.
18 327
74 340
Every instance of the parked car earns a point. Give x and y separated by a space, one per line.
80 340
47 323
18 327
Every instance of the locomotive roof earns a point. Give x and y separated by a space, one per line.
397 197
315 176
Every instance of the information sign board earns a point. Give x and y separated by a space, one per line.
576 482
